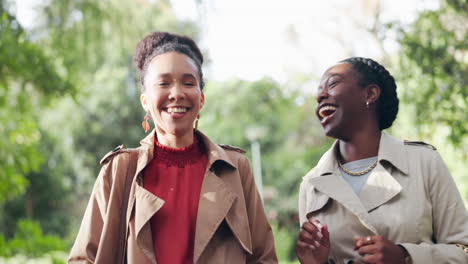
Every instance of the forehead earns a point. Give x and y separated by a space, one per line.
338 69
172 63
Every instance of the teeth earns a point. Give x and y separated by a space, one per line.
323 110
177 110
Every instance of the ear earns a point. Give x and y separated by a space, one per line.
202 100
144 102
372 93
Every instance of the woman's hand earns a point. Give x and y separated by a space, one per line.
379 250
313 244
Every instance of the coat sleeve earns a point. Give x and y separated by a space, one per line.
450 219
85 248
263 244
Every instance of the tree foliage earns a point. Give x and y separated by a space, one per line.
30 241
28 80
88 44
434 68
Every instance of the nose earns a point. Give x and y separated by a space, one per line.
176 93
321 94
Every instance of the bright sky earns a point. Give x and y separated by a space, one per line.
250 39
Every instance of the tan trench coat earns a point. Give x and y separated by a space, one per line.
231 223
409 198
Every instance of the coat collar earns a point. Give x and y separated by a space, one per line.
380 187
390 149
393 150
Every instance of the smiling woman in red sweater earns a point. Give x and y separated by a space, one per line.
190 201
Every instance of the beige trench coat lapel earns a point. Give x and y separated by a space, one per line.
336 188
147 204
215 201
380 187
144 203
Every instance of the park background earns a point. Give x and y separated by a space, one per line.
69 93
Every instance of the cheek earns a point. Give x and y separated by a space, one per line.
197 97
156 98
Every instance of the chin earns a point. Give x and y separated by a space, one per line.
332 131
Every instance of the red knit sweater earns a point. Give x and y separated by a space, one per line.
175 175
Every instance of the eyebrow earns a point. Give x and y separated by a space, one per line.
185 75
328 78
334 75
331 76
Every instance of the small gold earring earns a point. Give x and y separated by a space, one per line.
145 124
196 121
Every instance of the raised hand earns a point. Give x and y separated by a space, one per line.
379 250
313 244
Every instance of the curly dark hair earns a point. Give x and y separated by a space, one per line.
158 43
371 72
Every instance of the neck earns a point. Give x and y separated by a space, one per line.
175 141
361 145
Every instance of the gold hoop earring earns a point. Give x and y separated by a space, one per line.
145 124
196 122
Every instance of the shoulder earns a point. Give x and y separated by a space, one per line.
119 151
424 159
220 148
420 150
232 148
234 154
116 163
411 143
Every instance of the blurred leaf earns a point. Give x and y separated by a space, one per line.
30 241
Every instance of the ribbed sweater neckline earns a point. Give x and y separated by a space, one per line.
179 157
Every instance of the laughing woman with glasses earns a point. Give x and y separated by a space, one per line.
373 198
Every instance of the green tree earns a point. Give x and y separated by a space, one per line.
434 69
90 43
30 241
28 80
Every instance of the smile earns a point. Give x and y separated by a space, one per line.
177 109
326 110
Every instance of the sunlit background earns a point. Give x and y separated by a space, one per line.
69 94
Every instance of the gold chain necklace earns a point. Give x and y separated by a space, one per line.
358 173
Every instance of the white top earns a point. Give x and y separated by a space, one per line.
357 182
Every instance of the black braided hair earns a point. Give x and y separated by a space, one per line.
372 72
158 43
